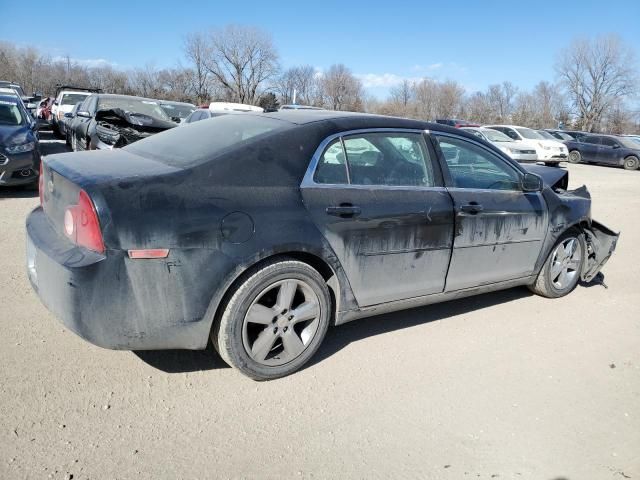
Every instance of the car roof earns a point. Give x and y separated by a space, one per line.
11 98
8 91
357 120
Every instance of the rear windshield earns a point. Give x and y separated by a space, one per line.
198 142
73 98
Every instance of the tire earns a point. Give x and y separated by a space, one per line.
67 140
631 163
550 282
258 331
574 156
552 164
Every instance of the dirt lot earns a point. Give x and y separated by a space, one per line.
505 385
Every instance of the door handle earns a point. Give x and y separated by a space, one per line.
344 210
472 208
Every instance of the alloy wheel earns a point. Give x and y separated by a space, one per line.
281 322
565 263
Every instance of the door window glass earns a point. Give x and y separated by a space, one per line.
389 158
592 140
471 166
609 142
332 167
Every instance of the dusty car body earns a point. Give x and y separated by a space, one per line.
312 217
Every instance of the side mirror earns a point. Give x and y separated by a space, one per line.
531 183
68 115
55 103
615 146
83 114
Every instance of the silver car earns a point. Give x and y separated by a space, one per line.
517 151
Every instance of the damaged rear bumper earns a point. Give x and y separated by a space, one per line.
601 242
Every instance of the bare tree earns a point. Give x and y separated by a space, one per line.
196 50
301 80
341 89
242 60
596 73
450 99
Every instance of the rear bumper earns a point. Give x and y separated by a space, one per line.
20 169
112 301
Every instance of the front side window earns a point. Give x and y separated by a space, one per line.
471 166
609 142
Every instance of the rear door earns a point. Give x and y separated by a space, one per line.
499 229
589 148
378 198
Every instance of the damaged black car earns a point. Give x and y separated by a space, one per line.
106 121
259 231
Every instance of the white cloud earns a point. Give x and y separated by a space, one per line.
373 80
87 62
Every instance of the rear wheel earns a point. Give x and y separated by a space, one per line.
275 320
561 272
575 156
631 163
552 164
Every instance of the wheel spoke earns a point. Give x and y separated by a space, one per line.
293 345
260 314
263 344
305 311
556 269
286 294
563 278
570 247
574 264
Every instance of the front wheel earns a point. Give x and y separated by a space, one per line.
561 271
275 320
575 156
631 163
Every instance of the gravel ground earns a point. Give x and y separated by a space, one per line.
503 385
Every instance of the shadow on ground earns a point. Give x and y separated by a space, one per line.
180 361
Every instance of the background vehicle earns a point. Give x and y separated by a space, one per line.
558 135
106 121
30 102
551 152
228 107
259 230
515 150
200 114
19 150
66 97
66 122
562 134
606 149
177 111
456 123
299 107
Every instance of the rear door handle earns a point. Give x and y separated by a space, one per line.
471 208
345 210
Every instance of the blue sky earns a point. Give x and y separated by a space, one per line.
474 42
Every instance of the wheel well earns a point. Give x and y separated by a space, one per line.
320 265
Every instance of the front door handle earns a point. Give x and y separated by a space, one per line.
471 208
344 210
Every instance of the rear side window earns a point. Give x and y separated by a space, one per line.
609 142
199 142
385 159
593 140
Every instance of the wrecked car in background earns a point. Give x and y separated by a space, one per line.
259 230
106 121
177 111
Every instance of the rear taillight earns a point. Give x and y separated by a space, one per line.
81 224
41 185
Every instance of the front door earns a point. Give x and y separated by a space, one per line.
589 148
378 199
499 229
609 151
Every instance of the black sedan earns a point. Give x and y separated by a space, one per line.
260 230
606 149
19 148
106 121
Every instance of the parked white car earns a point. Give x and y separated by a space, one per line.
517 151
64 103
551 152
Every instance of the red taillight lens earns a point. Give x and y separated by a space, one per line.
41 185
81 224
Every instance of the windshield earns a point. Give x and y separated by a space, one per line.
200 142
630 142
546 135
530 134
133 105
10 113
495 136
72 98
180 111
